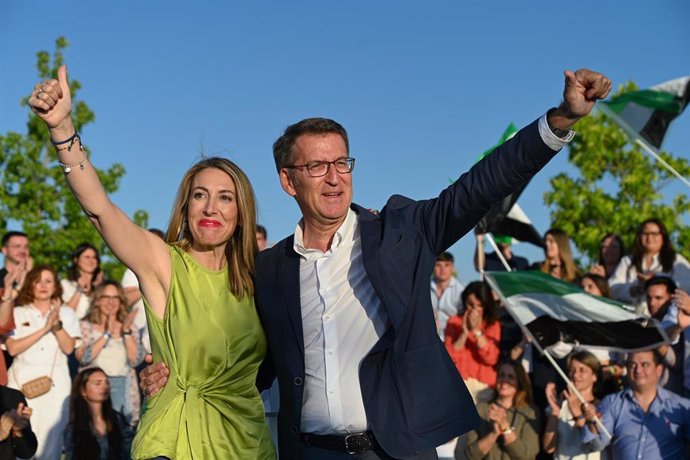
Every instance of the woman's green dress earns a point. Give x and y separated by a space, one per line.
213 344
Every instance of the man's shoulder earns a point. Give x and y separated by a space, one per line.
673 399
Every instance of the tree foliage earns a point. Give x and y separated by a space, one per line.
35 196
618 186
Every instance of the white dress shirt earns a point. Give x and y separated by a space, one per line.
342 319
449 304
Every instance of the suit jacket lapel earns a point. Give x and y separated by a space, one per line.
370 234
289 284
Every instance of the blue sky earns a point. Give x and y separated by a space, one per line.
422 87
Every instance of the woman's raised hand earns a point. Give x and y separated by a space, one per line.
51 100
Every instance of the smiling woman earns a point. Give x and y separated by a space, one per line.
197 291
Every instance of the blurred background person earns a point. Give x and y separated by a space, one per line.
16 438
652 254
558 257
564 418
611 251
95 431
261 237
492 261
45 333
472 340
82 278
595 284
509 427
446 291
111 343
645 420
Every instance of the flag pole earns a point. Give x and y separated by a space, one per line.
545 353
503 260
651 151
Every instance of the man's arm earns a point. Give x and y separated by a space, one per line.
511 165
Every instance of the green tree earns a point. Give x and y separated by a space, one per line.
618 187
34 194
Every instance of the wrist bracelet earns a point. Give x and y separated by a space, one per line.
510 429
478 334
127 332
66 168
578 417
69 139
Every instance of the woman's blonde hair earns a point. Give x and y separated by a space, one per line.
568 267
241 248
94 314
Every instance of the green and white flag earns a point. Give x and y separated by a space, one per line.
554 311
647 113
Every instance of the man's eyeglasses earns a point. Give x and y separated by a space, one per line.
321 168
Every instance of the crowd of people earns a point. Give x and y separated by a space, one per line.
338 313
56 333
508 379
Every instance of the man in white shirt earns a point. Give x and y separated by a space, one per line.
446 291
345 302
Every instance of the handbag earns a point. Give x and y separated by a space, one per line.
40 385
37 387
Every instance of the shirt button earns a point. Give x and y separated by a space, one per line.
298 381
326 317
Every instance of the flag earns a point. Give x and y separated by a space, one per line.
647 113
554 311
506 217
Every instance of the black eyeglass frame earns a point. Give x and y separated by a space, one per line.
349 164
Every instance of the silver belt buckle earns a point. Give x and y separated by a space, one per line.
347 448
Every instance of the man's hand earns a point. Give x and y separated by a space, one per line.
582 89
154 377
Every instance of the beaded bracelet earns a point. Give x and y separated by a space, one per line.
66 168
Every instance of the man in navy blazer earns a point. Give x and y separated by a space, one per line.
345 303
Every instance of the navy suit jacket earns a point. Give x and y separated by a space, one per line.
413 396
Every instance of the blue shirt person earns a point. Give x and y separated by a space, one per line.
645 420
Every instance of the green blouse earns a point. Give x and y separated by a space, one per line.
213 344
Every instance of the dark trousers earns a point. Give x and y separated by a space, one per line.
316 453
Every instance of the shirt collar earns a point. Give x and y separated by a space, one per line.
344 234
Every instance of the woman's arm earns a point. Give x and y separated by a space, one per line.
17 346
488 344
65 341
523 443
146 254
91 347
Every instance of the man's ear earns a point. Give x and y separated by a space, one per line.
287 182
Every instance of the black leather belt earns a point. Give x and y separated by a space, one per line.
352 443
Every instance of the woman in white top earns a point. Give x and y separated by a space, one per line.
564 415
45 333
652 254
82 278
111 343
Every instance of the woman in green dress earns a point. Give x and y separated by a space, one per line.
198 294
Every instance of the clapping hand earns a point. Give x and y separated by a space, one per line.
6 423
552 399
21 417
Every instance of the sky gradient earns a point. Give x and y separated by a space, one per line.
423 88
